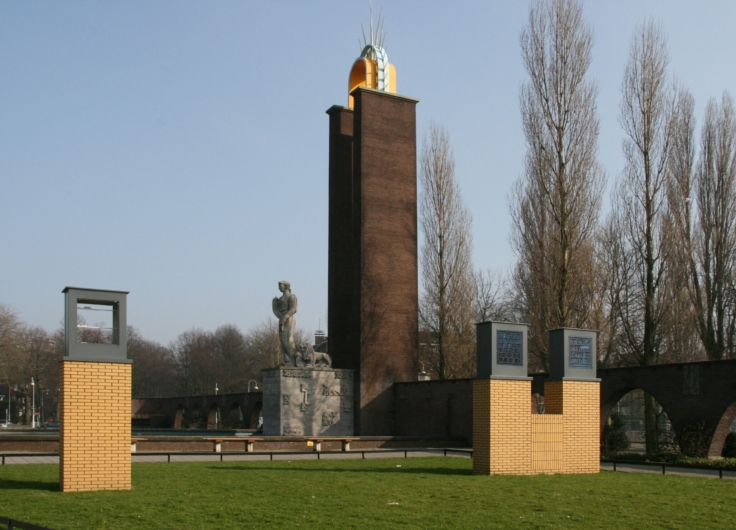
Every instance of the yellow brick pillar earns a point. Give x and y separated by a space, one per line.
96 384
95 426
573 391
579 404
502 427
502 390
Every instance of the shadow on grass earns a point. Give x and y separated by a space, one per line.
410 470
10 484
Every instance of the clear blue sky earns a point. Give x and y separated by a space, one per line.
178 150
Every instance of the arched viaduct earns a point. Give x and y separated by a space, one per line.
699 398
211 412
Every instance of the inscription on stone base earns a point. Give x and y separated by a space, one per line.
308 402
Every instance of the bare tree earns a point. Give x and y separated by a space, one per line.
491 296
35 360
9 327
154 367
613 276
195 364
446 307
680 340
555 204
647 117
230 352
263 346
706 248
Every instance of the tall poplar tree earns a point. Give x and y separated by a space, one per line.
446 309
648 117
555 204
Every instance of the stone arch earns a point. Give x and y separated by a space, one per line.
722 430
255 414
179 417
609 402
234 418
214 418
195 418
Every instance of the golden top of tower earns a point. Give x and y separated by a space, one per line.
372 68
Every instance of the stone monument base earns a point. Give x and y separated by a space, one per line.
308 402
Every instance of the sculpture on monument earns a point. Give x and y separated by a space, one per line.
307 357
284 309
304 396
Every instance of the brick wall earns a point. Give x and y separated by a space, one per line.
435 408
95 425
547 448
508 439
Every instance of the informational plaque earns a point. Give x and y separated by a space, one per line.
581 352
509 347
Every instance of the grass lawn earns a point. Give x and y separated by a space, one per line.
422 493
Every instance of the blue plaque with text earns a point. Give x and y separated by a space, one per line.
509 347
581 352
572 354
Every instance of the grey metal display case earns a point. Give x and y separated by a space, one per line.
117 351
572 354
502 350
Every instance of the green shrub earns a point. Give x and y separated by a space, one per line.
729 448
614 437
671 458
695 439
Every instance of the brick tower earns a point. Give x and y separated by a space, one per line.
372 263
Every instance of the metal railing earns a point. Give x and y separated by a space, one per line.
664 465
168 454
270 454
23 455
13 524
444 451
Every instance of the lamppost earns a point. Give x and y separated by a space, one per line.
33 407
252 381
41 416
422 376
217 420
